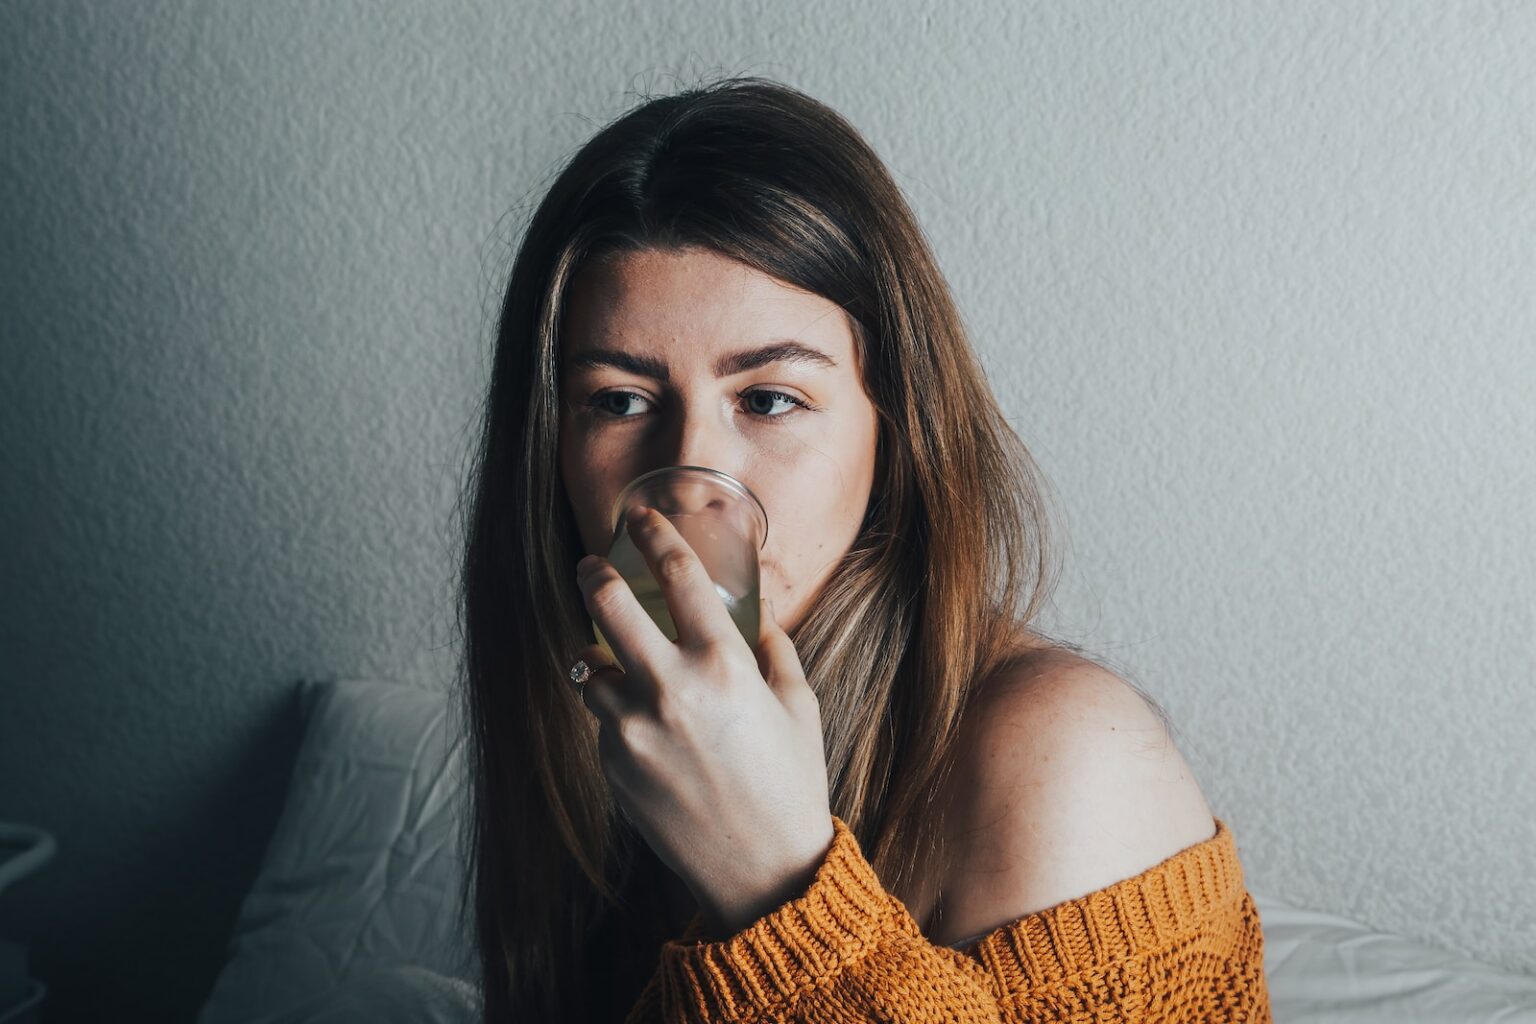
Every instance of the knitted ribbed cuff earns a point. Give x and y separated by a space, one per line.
842 915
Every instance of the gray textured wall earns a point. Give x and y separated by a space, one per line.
1253 281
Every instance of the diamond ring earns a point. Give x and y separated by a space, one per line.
580 673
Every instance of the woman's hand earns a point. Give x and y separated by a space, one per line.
713 751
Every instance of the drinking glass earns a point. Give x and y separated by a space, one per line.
719 517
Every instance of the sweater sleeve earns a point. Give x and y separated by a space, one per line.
1179 942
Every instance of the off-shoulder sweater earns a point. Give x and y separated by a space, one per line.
1180 942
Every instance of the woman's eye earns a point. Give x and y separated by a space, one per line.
764 403
772 399
604 403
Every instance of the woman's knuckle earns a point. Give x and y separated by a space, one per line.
624 729
675 566
671 710
718 663
605 595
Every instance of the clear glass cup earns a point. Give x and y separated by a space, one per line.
719 517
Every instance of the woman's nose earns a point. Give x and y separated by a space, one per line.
699 440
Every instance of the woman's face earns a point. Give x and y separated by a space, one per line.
687 357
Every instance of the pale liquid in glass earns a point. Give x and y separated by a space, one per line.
730 558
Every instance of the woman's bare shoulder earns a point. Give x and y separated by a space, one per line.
1065 781
1032 665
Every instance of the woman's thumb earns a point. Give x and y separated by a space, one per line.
776 656
768 625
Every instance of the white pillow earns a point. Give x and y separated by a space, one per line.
353 914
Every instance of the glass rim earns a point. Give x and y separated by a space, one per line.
718 476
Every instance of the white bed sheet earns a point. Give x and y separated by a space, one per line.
1326 969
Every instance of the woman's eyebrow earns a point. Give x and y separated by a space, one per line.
779 350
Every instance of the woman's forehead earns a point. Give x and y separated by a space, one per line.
697 307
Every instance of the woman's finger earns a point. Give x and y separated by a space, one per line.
602 689
698 612
597 656
637 642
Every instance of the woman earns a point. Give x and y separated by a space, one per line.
902 803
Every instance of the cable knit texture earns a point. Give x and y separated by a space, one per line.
1179 942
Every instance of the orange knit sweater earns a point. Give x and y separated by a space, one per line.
1179 942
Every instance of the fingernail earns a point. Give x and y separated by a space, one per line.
637 513
585 565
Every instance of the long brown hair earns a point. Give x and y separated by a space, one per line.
953 557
